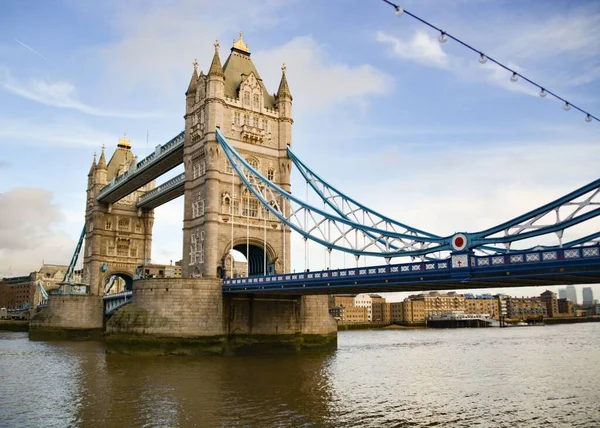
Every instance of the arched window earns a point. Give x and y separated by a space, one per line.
124 224
250 205
253 162
246 97
198 206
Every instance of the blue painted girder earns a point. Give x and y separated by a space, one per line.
543 267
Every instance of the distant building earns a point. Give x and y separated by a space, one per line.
482 304
551 302
159 271
572 293
359 308
23 291
562 293
408 312
439 303
365 300
349 315
565 308
524 308
588 296
378 306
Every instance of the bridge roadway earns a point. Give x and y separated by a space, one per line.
517 269
164 158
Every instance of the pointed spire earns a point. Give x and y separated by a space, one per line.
239 45
93 167
102 161
284 89
194 81
215 66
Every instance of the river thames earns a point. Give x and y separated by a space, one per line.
512 377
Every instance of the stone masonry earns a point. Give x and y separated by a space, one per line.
118 236
233 98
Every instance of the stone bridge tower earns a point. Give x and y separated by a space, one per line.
118 236
233 97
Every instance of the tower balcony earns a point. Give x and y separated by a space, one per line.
253 134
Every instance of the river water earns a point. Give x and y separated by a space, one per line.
512 377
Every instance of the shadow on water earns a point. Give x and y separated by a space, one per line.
253 390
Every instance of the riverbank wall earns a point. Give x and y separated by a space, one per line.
571 320
13 325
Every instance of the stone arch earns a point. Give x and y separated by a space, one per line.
121 273
255 259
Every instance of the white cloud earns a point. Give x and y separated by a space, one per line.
425 50
57 132
176 33
29 232
319 81
157 42
421 48
59 94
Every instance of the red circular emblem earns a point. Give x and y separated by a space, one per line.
459 242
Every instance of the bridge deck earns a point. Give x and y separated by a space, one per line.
164 193
164 159
535 268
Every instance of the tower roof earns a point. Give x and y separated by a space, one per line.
124 142
194 80
215 65
240 45
237 67
121 158
284 89
102 161
93 167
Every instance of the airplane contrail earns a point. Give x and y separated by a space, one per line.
31 49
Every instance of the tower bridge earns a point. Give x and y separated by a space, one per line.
236 149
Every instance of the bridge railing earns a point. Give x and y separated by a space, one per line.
163 188
481 263
159 152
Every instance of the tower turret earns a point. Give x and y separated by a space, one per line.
101 169
190 94
284 106
216 77
92 172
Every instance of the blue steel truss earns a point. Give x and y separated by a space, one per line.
335 231
330 230
351 209
69 273
553 218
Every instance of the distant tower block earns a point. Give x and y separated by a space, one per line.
234 98
118 236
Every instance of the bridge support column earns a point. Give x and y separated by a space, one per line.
68 317
187 316
284 322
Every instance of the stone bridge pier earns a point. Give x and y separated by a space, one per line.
189 316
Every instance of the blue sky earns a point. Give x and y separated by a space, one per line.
417 130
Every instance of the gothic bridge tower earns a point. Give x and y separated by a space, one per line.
118 236
233 97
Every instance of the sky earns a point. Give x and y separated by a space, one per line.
415 129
